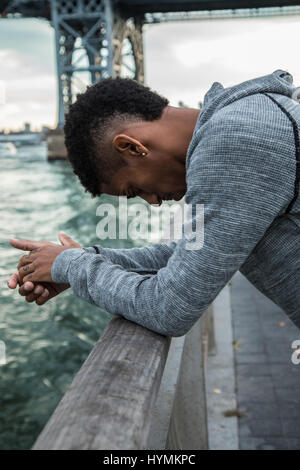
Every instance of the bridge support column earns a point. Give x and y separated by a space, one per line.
93 41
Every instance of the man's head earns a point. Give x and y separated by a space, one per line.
121 140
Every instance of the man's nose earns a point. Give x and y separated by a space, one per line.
150 198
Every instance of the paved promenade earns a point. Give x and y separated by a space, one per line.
268 383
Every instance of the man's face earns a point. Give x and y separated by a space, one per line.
154 177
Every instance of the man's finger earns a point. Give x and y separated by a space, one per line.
65 240
43 298
26 271
13 281
26 288
31 297
27 259
33 276
36 293
26 245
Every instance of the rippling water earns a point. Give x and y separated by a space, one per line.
45 346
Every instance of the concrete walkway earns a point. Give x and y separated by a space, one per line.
267 382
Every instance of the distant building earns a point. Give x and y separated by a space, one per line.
27 129
181 104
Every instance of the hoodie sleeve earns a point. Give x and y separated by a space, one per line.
239 171
145 260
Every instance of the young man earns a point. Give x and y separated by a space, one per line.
239 157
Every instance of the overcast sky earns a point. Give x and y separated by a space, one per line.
182 61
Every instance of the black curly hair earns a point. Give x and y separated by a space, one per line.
93 116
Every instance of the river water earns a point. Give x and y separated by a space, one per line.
45 346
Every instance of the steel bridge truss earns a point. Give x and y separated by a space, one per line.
96 39
93 38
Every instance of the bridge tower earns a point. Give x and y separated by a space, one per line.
96 39
93 37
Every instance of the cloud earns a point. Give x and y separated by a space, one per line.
28 73
30 90
182 60
13 62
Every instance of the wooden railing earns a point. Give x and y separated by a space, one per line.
120 399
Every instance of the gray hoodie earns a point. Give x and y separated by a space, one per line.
241 164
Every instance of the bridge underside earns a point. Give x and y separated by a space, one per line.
148 6
96 39
41 8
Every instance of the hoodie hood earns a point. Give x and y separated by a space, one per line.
217 96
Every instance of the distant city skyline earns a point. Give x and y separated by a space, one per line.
26 128
182 60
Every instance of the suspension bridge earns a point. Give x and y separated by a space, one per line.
96 39
170 397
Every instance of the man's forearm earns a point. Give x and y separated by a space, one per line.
148 259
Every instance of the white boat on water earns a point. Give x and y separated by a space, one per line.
7 149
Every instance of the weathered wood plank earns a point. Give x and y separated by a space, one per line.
109 403
162 411
188 425
208 332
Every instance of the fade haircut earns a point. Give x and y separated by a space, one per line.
92 118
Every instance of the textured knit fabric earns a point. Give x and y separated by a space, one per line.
241 164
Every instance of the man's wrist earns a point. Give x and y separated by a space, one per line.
61 264
92 249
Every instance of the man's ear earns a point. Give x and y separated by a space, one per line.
129 146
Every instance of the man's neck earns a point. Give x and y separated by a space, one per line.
182 121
